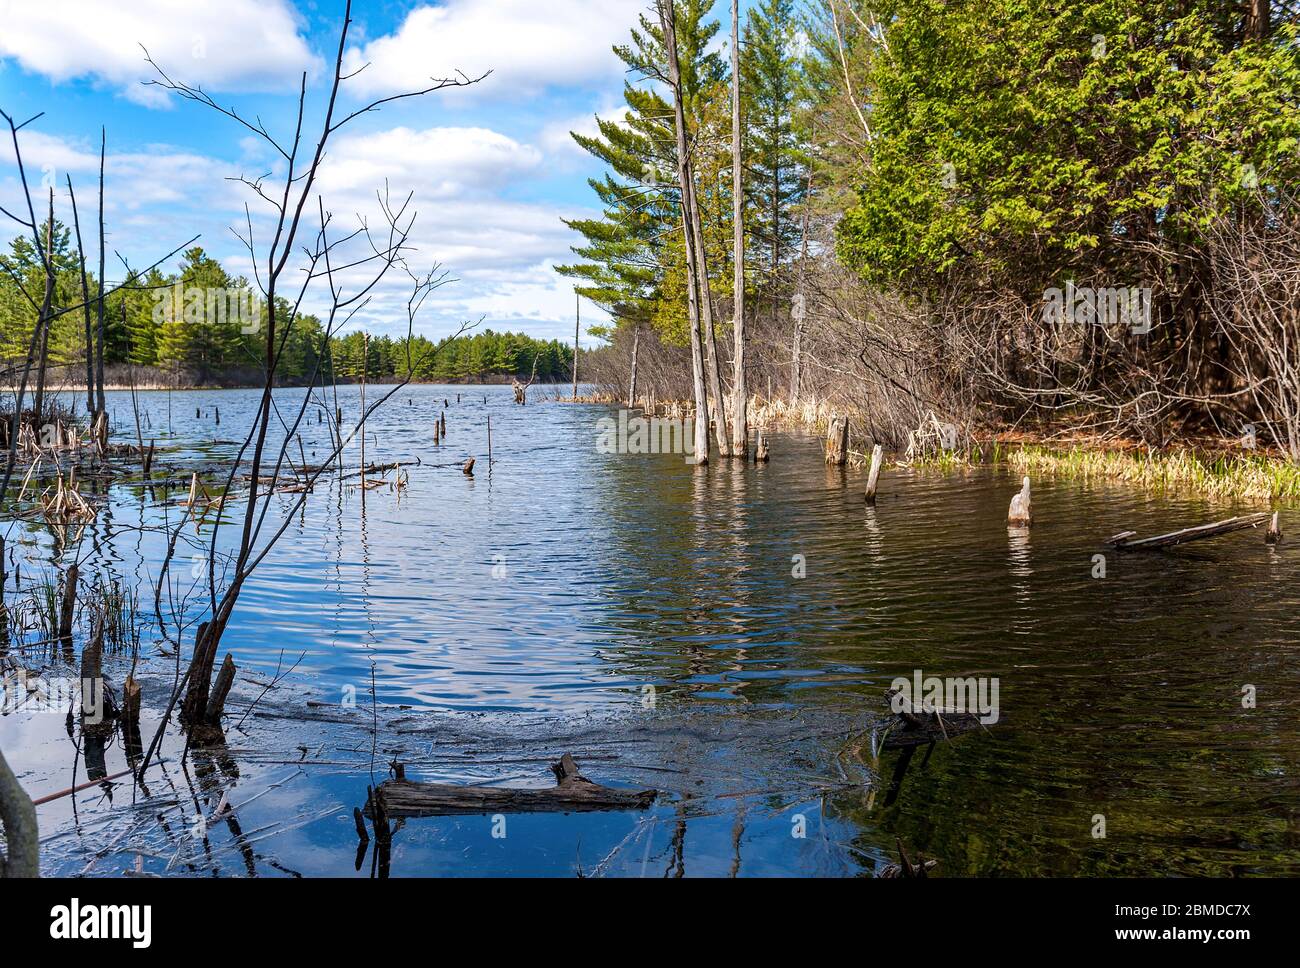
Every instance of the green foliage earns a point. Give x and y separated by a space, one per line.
633 258
209 325
1019 142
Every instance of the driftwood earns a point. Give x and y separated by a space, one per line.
905 867
572 793
914 728
1127 540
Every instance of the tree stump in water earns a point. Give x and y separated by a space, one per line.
873 477
760 449
1020 513
837 441
468 469
1274 533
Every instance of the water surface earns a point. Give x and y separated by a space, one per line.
649 617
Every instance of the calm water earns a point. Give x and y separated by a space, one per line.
643 615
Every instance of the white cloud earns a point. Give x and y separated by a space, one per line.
227 45
501 250
440 162
556 137
528 46
136 180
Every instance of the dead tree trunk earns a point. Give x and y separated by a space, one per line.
100 406
631 388
697 297
43 323
577 317
837 441
18 818
85 306
740 393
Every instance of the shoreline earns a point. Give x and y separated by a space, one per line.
1194 465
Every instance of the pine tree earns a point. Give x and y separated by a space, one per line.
774 159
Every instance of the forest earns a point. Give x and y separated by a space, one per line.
1075 219
202 326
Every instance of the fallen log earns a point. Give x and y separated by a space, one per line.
572 793
1126 540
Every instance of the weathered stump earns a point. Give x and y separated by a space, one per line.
873 476
837 441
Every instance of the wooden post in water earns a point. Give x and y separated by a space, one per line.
1274 533
760 448
489 441
837 441
873 477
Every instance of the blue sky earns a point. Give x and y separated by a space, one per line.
492 167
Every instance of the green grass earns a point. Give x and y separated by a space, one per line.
1213 475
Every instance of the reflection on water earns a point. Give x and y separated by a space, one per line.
768 607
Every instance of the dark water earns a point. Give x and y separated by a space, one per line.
645 615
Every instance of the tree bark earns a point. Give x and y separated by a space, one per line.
43 323
685 181
740 392
636 343
99 312
18 817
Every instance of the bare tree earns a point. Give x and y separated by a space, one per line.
697 295
740 392
324 258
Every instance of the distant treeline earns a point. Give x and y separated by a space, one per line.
203 325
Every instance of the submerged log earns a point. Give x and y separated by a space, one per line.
572 793
1126 540
918 728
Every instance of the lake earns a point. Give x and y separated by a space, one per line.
723 634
